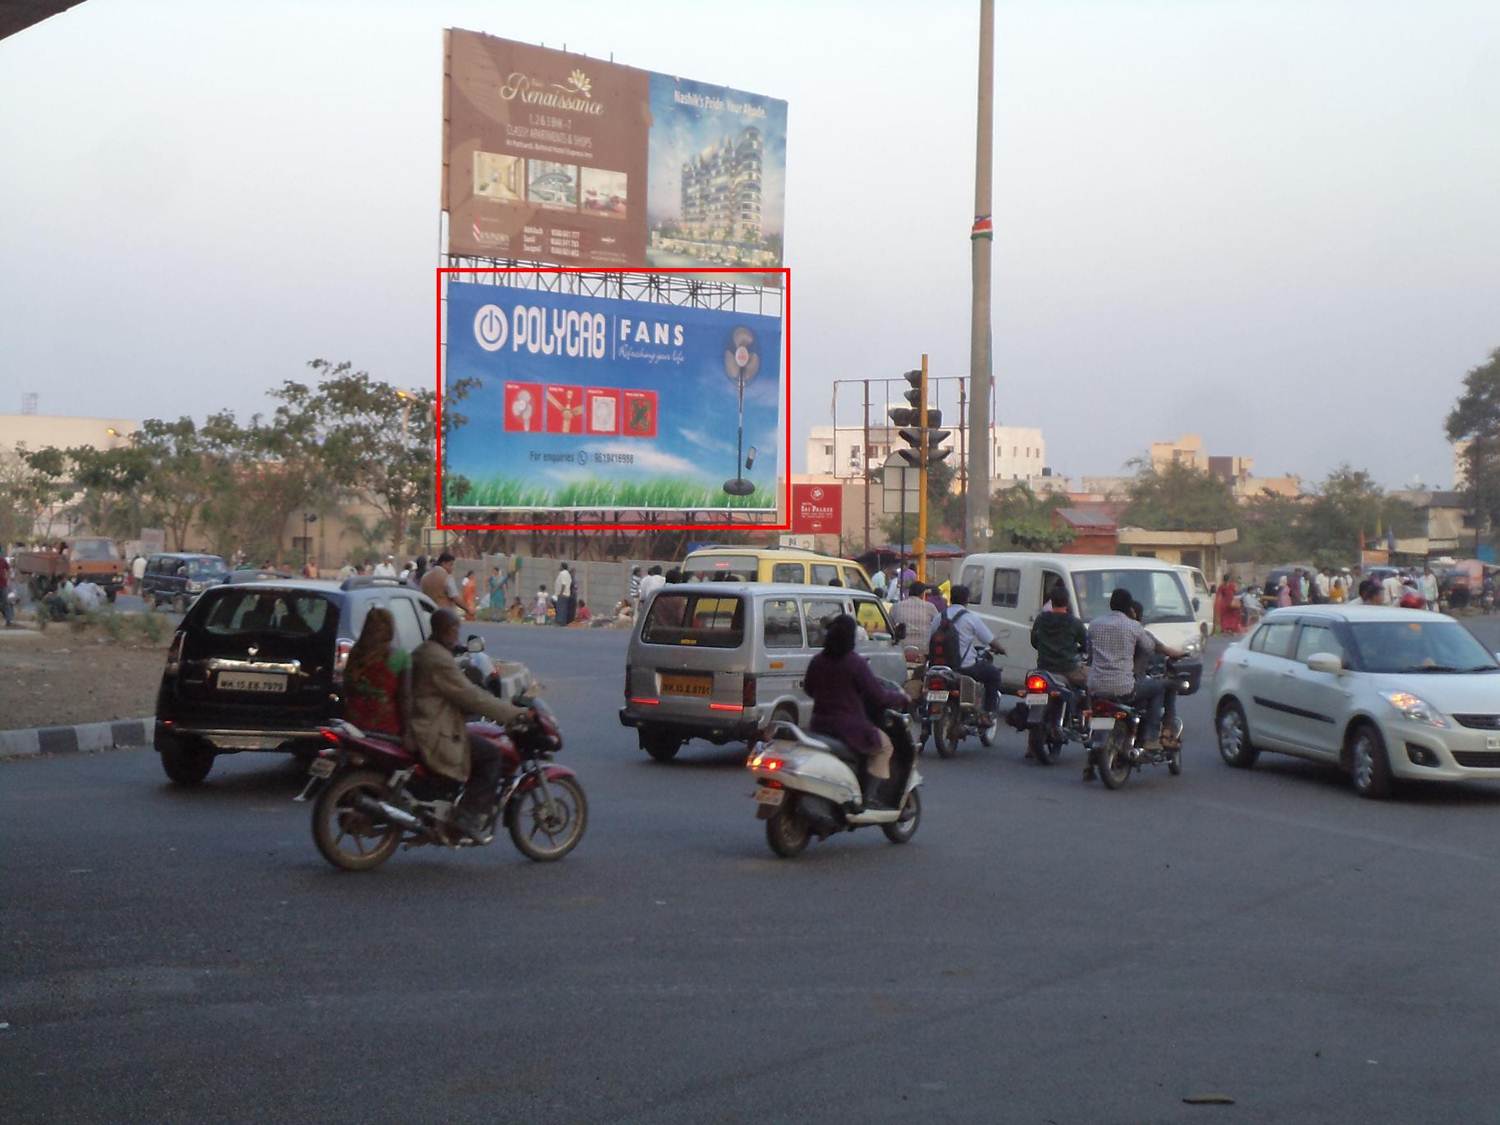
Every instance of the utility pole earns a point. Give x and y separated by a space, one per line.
981 240
865 453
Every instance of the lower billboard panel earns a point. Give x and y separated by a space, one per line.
586 404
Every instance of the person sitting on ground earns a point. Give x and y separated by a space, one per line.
516 612
582 616
441 699
844 692
377 679
1116 639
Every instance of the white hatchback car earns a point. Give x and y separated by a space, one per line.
1383 692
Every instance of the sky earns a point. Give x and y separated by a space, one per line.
1271 223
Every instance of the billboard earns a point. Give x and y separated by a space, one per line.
817 509
595 403
557 157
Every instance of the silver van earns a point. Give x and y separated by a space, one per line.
716 660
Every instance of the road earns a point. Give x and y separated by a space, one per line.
1043 951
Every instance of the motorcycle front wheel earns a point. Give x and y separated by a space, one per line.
987 735
947 730
548 826
911 817
1113 758
347 835
787 831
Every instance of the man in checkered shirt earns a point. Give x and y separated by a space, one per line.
1114 640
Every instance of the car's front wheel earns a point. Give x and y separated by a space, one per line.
1369 765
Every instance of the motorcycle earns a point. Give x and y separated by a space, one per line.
1115 728
373 795
954 708
477 665
916 671
1054 714
810 785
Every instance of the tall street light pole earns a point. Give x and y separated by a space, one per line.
981 239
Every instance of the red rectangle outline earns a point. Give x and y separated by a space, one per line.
437 474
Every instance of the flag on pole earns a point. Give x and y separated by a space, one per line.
982 228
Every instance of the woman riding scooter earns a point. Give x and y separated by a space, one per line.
845 691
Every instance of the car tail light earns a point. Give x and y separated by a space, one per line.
747 697
174 654
1037 684
341 658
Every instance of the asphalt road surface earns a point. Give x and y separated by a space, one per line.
1043 951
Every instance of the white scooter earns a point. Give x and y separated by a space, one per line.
811 785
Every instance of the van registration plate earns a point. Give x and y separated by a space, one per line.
679 683
264 682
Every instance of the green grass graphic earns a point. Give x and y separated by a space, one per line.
664 492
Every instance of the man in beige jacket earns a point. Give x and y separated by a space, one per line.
441 699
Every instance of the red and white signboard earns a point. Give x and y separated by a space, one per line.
817 509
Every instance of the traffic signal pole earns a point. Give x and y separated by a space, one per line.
919 548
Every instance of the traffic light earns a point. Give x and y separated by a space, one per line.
917 424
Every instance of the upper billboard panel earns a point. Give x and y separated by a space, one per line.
556 157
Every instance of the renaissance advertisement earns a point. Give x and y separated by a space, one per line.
557 157
593 403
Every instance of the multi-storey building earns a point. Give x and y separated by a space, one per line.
1017 453
721 190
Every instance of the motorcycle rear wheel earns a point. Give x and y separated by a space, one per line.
347 836
787 831
1043 747
947 730
544 830
1113 759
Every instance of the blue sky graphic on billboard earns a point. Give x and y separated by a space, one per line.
596 403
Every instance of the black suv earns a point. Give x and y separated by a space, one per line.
176 579
259 665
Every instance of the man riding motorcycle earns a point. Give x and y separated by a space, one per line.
441 699
1061 641
974 637
1115 639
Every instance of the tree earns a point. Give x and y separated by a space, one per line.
1270 529
109 483
945 509
1475 418
179 480
1179 498
37 484
1022 520
1348 504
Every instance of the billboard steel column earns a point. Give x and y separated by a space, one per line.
981 238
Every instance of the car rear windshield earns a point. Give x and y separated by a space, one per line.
1160 592
704 620
742 568
287 614
1419 646
95 550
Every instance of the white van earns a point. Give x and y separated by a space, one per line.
1008 591
1203 599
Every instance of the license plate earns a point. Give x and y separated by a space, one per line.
1102 723
765 795
937 697
1036 701
700 687
321 767
251 681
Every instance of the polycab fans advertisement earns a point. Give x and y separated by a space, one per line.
594 403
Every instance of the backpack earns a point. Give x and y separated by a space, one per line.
945 646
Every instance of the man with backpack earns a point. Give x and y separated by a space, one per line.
959 639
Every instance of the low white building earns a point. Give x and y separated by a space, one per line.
1016 452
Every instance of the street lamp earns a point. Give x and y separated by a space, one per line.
307 518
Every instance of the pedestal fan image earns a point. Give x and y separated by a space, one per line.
741 363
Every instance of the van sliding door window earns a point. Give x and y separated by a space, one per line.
1005 589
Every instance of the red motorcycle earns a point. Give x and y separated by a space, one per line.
372 795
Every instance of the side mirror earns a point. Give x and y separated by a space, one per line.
1325 662
898 632
475 643
1197 605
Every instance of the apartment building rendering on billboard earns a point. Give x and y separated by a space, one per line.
721 190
